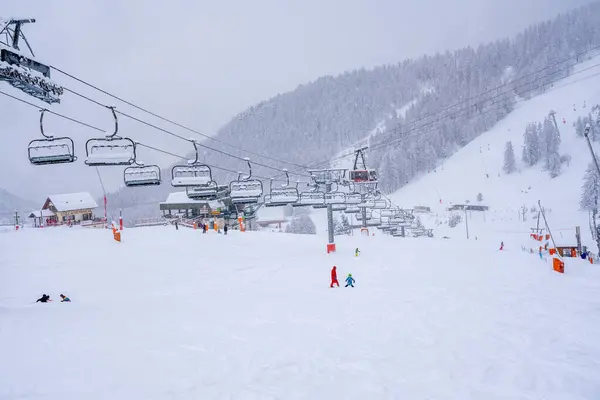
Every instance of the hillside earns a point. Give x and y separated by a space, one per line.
9 203
311 124
478 168
253 317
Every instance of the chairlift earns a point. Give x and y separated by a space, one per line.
246 190
310 198
339 207
142 175
335 198
50 150
111 150
327 176
352 210
22 71
362 174
193 174
209 191
282 196
353 198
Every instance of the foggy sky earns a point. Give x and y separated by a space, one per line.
202 62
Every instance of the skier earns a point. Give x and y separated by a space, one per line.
176 226
501 245
350 281
225 229
44 299
334 277
540 253
65 299
356 252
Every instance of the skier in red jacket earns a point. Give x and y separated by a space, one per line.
334 277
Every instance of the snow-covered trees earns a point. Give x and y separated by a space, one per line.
341 226
301 225
510 164
531 148
454 220
590 194
551 142
542 142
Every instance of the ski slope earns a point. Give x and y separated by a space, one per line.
175 314
477 168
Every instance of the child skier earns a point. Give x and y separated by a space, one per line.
356 252
334 277
64 299
350 281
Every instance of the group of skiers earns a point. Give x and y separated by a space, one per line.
45 299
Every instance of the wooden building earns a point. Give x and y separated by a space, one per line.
69 208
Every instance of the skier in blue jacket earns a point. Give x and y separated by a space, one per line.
350 281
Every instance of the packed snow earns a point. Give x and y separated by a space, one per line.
179 314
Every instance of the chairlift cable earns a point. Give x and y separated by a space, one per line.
141 121
170 120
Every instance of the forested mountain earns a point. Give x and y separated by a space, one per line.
414 103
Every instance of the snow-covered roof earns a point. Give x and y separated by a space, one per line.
72 201
181 198
41 213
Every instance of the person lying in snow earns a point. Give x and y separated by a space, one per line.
350 281
64 299
44 299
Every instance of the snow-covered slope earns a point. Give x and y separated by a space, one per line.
182 315
477 168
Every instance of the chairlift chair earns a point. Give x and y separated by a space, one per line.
141 175
352 210
193 174
246 190
282 196
310 198
353 198
111 150
50 150
209 191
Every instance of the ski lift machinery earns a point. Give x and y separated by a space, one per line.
193 174
282 196
362 174
50 150
141 174
246 190
22 71
110 150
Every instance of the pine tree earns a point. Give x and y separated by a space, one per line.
551 142
302 225
510 164
591 189
531 148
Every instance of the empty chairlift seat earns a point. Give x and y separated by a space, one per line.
307 199
281 197
190 175
142 175
245 192
51 151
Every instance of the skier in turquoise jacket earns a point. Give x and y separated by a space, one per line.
350 281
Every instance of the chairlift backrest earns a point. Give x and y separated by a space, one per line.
142 175
110 150
190 175
50 150
335 198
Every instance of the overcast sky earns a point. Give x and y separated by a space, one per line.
202 62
